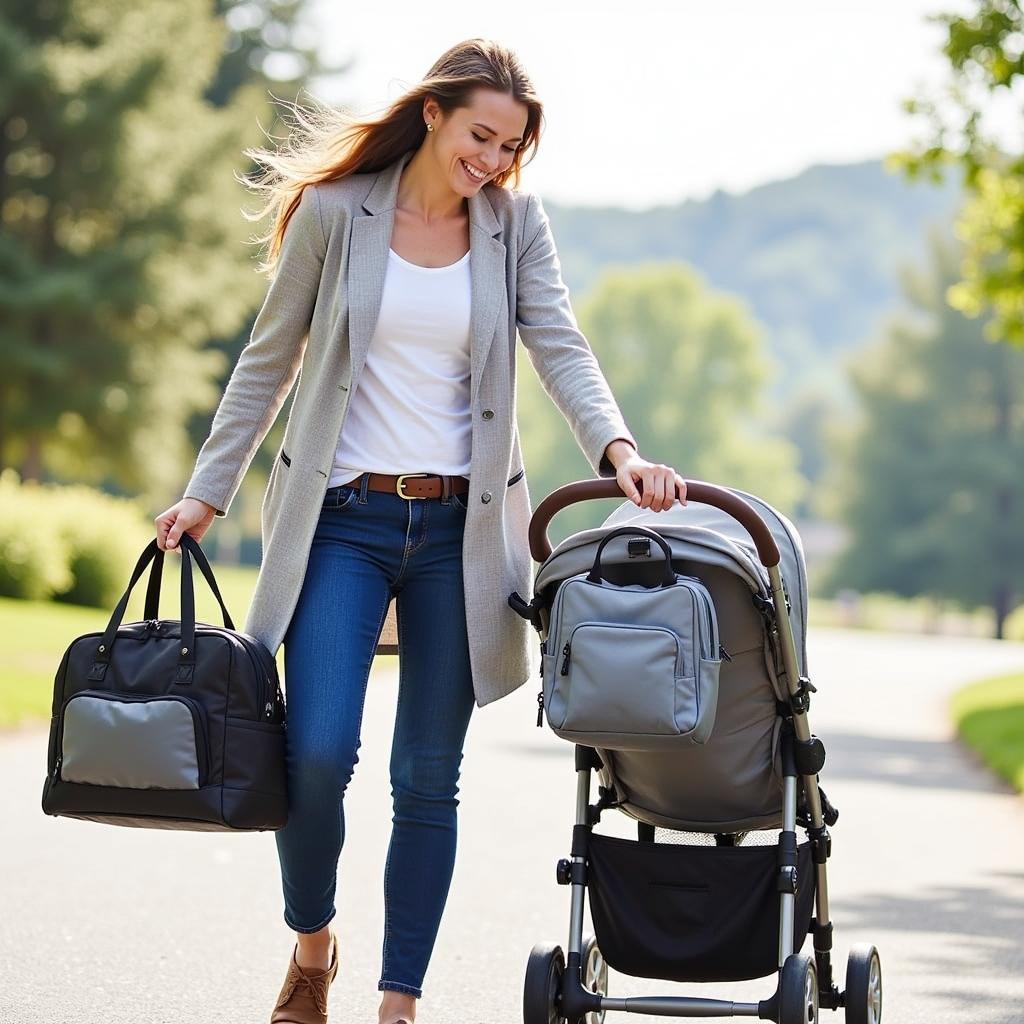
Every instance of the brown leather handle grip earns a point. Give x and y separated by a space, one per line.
608 487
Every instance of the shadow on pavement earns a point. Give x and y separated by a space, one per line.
983 923
931 764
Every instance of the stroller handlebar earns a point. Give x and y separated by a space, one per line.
608 487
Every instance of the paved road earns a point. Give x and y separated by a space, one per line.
104 924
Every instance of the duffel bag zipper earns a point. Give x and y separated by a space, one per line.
195 709
265 697
254 657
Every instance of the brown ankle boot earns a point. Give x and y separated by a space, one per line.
303 996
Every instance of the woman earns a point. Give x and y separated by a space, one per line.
404 265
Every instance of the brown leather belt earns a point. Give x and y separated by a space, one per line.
414 485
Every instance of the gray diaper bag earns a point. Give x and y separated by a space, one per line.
628 666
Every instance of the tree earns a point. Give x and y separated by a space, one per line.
269 49
985 49
120 249
933 490
267 43
687 367
807 420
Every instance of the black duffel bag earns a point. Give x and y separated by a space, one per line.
168 723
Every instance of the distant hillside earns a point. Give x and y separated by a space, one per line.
816 256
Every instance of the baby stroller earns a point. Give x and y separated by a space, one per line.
709 601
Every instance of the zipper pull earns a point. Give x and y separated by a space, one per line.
269 709
540 709
565 659
723 653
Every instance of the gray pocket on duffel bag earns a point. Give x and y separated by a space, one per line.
133 741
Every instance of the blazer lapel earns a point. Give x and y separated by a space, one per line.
369 243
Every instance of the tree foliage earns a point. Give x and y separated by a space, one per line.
687 367
985 50
267 42
933 490
121 251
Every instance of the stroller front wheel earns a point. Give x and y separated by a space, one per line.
863 985
798 990
595 976
542 989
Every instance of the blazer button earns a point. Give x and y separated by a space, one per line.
485 497
488 414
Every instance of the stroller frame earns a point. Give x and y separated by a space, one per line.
803 984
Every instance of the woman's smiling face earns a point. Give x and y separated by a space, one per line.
474 144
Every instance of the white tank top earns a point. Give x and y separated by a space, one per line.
410 410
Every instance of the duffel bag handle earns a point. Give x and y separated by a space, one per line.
669 577
186 653
156 573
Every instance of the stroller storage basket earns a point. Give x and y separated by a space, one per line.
692 913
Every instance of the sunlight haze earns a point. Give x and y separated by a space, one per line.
652 103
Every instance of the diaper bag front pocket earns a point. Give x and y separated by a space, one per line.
632 667
599 670
133 741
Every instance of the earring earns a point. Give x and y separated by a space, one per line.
430 127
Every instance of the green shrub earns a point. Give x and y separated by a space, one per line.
34 557
105 536
67 543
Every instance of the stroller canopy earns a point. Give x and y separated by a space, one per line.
697 533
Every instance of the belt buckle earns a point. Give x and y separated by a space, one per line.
398 486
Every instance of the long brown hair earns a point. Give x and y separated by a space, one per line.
329 143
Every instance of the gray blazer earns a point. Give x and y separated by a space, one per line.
316 324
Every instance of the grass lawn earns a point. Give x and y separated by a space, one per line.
990 717
36 633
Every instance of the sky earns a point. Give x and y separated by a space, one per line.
648 103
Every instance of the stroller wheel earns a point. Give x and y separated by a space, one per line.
595 976
798 990
863 985
542 989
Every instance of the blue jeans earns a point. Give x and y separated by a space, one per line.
370 545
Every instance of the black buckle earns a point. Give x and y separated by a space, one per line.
801 700
530 612
765 606
606 799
